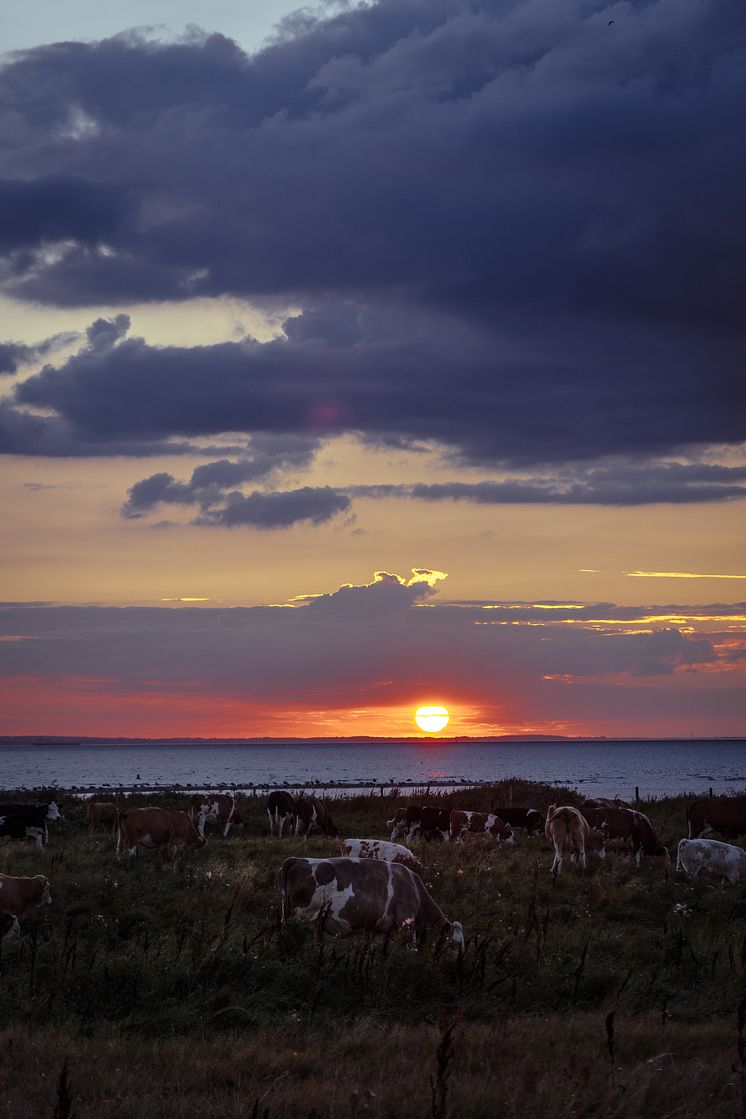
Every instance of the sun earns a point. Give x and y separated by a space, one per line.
431 719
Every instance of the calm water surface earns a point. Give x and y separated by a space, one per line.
596 768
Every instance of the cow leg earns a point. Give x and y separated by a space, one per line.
280 825
557 864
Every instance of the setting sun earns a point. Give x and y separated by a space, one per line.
431 719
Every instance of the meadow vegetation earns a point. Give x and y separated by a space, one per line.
165 986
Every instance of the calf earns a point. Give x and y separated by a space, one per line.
569 833
101 814
31 824
709 856
527 818
156 827
214 808
421 821
725 815
352 895
312 814
381 849
279 810
479 823
18 895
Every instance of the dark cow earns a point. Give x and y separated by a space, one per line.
527 818
486 824
722 815
279 811
31 824
420 821
312 814
50 809
101 814
606 802
156 827
625 827
352 895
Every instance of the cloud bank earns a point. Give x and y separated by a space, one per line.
514 230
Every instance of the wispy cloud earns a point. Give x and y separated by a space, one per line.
678 575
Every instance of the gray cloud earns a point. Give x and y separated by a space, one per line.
316 505
14 355
514 230
382 642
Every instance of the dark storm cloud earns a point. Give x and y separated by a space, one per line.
265 457
316 505
14 355
517 230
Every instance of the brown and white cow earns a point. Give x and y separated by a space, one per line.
486 824
720 815
279 811
214 808
420 821
625 827
18 895
313 815
156 827
383 850
569 832
354 895
9 926
101 814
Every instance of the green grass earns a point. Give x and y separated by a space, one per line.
186 952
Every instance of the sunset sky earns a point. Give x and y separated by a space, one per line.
373 356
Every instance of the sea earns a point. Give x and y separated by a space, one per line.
595 768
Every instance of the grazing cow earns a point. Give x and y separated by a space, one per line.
420 821
101 814
156 827
311 814
17 895
480 823
605 802
31 824
9 926
214 808
722 860
625 827
279 810
381 849
527 818
725 815
50 810
351 895
569 833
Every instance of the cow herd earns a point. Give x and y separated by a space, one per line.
376 885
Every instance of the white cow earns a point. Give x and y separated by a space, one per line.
383 850
721 860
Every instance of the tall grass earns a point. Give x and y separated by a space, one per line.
597 993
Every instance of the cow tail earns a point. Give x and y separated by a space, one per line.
283 893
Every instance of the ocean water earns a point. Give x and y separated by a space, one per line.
608 768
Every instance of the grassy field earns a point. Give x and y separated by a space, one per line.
164 986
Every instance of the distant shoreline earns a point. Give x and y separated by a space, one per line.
358 740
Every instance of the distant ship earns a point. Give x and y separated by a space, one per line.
45 740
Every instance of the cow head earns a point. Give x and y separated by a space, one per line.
197 843
53 811
507 836
45 898
456 932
